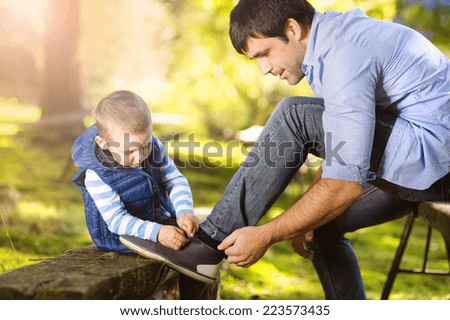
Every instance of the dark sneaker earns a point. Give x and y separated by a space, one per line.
195 259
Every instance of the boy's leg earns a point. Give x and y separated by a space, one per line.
293 130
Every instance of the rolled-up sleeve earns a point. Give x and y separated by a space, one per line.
349 85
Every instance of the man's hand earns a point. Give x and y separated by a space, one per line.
245 246
172 237
188 223
298 244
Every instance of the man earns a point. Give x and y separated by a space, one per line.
381 119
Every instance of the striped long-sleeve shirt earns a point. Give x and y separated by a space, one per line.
113 210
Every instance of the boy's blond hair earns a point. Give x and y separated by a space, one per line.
123 109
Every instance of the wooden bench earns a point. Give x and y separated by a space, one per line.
89 273
437 216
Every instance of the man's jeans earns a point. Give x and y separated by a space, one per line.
294 130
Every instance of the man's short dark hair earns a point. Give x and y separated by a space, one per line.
266 18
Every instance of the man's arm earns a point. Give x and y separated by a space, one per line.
327 199
298 242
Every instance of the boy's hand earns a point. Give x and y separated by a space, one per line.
189 223
172 237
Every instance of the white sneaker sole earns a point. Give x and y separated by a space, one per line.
157 257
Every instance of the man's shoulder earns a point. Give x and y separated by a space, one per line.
354 29
333 18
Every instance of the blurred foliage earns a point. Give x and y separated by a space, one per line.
129 50
49 217
430 17
177 55
216 87
49 220
211 84
380 9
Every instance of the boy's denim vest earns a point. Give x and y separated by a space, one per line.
139 189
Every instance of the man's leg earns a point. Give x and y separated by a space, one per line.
334 259
293 130
271 166
438 191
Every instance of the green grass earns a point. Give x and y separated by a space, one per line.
49 220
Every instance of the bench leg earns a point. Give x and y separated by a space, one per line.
427 250
398 256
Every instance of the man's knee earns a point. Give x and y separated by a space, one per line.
287 104
298 104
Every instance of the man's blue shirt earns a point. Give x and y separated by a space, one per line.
360 65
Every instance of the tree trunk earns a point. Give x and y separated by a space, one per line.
61 91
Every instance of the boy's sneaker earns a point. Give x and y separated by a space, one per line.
195 259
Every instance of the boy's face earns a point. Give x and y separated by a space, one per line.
128 149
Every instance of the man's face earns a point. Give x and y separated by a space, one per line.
128 149
278 57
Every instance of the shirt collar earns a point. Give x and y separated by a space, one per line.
309 55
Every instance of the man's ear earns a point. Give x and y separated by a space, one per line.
100 142
293 30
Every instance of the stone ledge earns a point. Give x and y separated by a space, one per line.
85 273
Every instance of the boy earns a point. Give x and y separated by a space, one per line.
129 184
